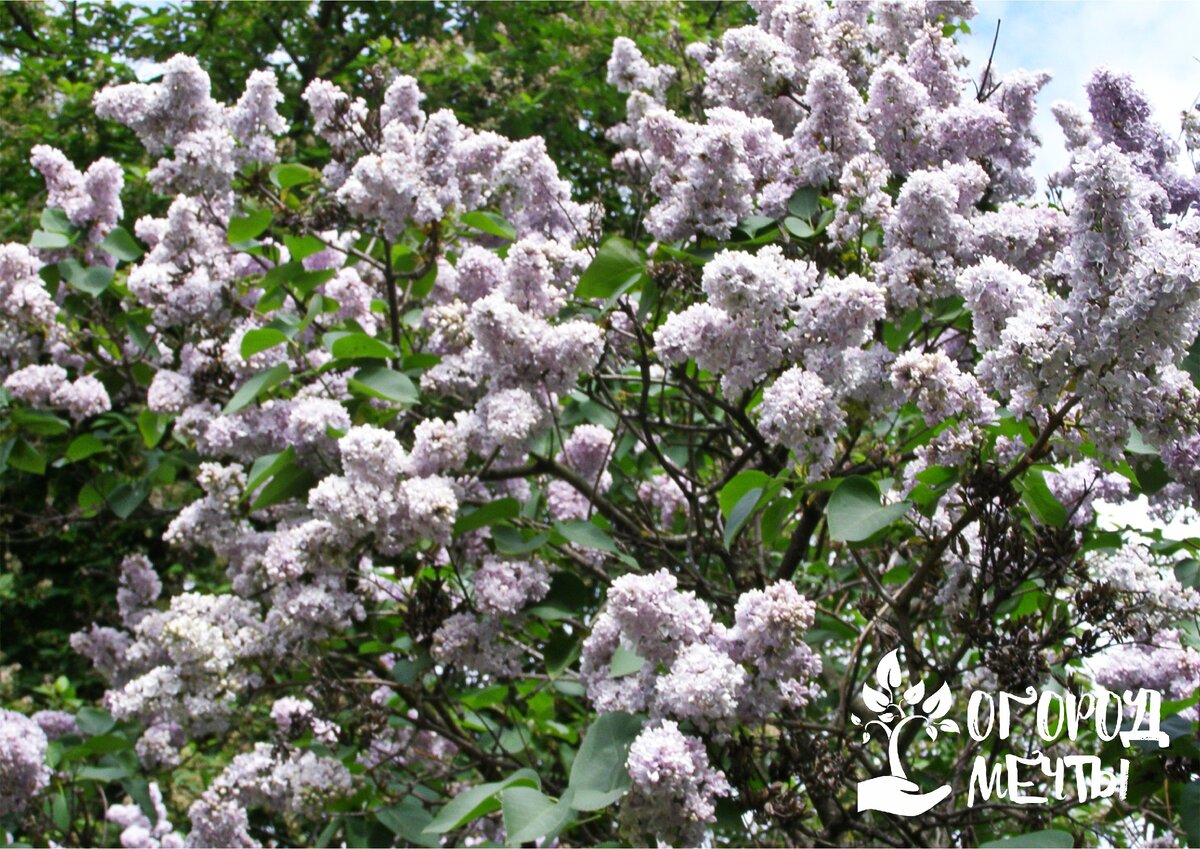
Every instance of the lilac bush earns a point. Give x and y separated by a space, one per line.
483 526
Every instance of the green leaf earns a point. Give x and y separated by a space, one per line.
490 223
267 466
354 345
1040 501
291 481
261 339
1050 839
740 513
92 280
531 815
93 721
855 513
27 458
256 386
1187 572
84 446
616 262
301 247
752 225
54 220
408 820
247 227
625 662
152 426
732 492
799 228
587 535
383 382
126 498
39 421
560 651
1189 812
477 801
805 202
48 241
285 175
103 774
119 244
102 744
488 514
509 540
598 773
568 596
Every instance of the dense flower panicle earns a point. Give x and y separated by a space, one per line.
893 197
704 685
1160 662
1080 485
55 723
940 389
800 412
503 587
255 120
139 588
35 385
137 832
663 493
1121 115
629 71
713 674
90 199
23 770
674 789
472 642
587 450
290 782
832 133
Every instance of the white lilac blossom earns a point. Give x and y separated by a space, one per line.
663 493
25 305
768 634
674 789
23 770
169 392
799 411
1152 589
1160 662
472 642
55 723
763 654
208 140
704 685
503 587
36 384
629 71
137 832
289 782
139 588
91 199
1080 485
939 389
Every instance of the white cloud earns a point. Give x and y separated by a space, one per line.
1154 40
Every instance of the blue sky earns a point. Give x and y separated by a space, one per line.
1154 40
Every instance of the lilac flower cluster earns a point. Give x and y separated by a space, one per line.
694 668
23 770
674 787
208 140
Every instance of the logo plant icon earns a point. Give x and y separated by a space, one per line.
894 793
